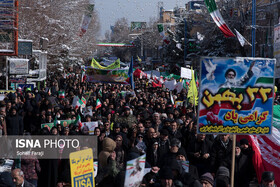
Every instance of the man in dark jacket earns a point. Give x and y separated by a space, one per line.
199 153
18 179
221 152
14 123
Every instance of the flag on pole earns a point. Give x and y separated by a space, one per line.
87 17
83 76
61 94
162 34
192 92
218 19
83 102
130 74
139 59
75 103
98 104
241 39
100 92
196 80
185 84
87 95
78 122
55 121
156 85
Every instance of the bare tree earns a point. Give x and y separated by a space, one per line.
59 21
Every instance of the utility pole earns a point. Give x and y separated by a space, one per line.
253 27
185 40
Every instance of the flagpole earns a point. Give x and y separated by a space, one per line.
194 99
233 160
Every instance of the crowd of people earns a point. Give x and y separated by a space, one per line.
142 121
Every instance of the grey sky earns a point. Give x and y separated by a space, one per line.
134 10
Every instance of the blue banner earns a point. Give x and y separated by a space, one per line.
236 95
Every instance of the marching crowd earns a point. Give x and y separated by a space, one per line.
142 121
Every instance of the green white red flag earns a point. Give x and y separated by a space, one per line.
218 19
98 104
78 122
83 102
162 34
83 76
267 148
61 94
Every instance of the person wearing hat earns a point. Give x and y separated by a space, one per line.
207 180
164 142
117 131
246 148
222 177
175 147
268 179
242 173
127 117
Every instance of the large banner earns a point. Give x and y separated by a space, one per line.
114 65
107 76
236 95
276 49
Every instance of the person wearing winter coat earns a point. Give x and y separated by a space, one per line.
199 153
107 165
242 173
14 123
221 152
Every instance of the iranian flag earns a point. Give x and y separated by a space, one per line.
61 94
100 92
77 102
266 153
162 34
267 149
98 104
218 19
83 102
83 78
78 122
186 83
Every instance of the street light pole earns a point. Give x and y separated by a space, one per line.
253 27
185 40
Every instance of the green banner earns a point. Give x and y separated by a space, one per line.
96 65
65 123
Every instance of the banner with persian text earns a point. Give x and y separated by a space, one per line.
119 76
236 95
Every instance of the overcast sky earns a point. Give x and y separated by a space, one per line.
134 10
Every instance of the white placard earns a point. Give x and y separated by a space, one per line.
186 73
